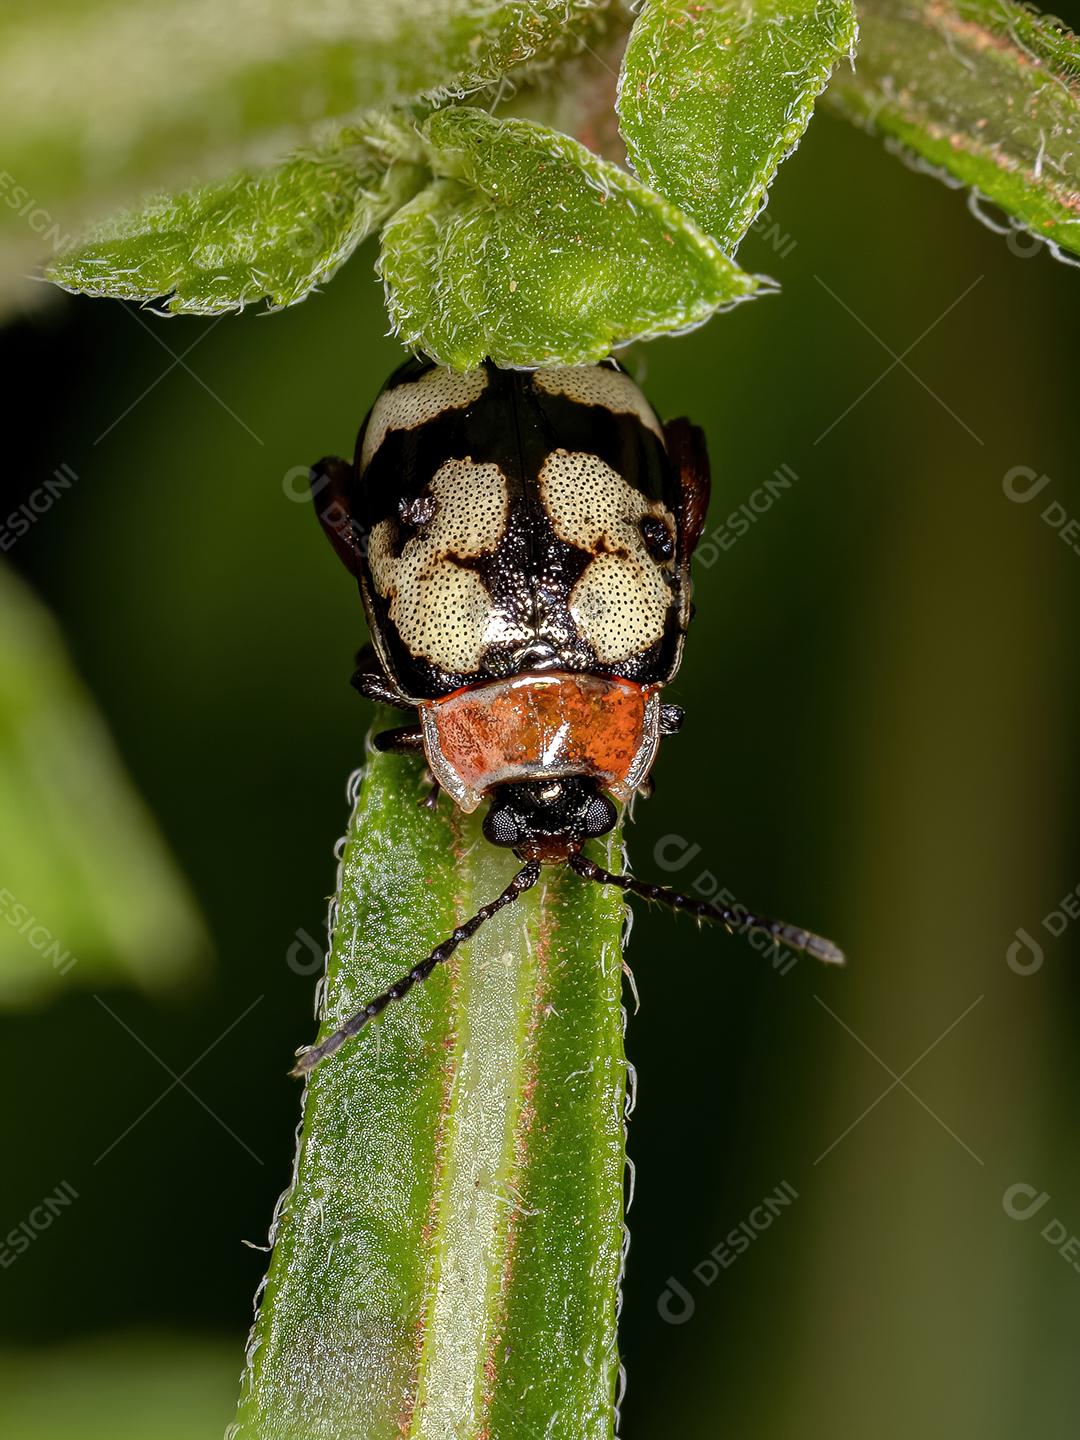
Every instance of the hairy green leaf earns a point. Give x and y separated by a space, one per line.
270 235
87 890
576 96
713 97
986 91
446 1261
101 101
531 250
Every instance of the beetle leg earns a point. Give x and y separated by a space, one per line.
372 681
330 478
409 740
671 719
686 447
403 740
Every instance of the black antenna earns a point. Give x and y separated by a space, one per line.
734 918
524 880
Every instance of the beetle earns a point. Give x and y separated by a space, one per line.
522 544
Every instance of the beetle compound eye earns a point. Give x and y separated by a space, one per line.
527 607
600 816
657 537
501 828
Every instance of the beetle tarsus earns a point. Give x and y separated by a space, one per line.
372 681
524 880
734 918
671 719
540 700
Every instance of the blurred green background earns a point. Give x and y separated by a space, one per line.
882 705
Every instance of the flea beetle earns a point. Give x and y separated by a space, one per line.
522 543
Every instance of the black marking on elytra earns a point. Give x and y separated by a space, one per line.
528 575
418 512
657 538
531 573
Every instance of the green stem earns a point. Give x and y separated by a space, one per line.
446 1262
987 91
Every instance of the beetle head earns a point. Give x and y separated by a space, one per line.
548 820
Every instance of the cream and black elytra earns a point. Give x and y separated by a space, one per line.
522 543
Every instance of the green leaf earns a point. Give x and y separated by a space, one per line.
713 97
271 235
102 101
985 90
87 890
576 97
531 250
446 1261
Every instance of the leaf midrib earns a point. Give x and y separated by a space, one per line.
477 1161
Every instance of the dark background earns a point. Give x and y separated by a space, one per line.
882 704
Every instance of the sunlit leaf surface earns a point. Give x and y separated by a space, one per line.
532 250
713 97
